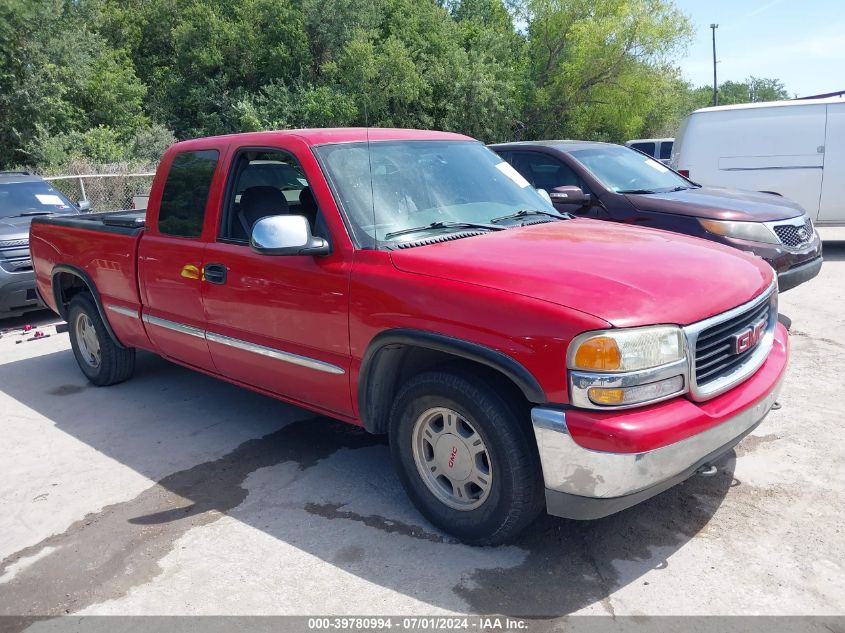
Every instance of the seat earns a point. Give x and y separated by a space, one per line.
260 202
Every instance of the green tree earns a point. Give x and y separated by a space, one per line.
106 80
752 90
597 66
57 77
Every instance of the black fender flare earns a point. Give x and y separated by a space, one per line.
368 385
92 288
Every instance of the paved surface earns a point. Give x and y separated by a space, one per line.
178 494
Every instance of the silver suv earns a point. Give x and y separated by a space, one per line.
22 197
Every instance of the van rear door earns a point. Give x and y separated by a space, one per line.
831 206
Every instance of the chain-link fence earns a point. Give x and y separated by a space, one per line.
106 192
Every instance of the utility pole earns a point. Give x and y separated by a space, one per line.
715 85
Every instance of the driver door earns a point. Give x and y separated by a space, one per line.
277 322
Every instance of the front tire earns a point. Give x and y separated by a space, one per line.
465 458
99 357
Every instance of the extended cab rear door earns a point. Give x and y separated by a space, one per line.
279 322
180 221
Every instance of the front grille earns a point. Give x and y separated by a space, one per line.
794 236
14 243
714 357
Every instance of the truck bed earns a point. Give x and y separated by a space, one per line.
102 249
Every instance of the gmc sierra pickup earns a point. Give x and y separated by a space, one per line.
415 284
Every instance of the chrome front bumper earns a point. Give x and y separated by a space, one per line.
587 484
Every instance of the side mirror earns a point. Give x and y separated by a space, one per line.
286 235
569 195
83 205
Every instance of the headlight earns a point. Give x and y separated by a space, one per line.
627 350
751 231
627 367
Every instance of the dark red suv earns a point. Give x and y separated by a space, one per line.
612 182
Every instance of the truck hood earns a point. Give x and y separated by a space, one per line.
624 275
719 203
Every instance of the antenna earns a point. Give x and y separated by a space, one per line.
370 162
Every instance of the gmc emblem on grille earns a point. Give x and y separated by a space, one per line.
748 338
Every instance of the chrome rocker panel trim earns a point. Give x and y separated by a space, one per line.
176 327
129 312
286 357
585 484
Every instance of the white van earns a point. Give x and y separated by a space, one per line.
658 148
792 148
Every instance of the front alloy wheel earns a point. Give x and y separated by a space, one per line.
99 356
465 454
452 458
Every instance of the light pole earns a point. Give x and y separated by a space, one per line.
715 86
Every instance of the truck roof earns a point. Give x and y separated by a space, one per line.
327 136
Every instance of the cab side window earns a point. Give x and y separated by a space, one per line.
185 194
545 172
265 183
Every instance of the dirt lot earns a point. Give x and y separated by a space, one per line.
175 493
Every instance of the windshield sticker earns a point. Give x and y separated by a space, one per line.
655 165
513 174
50 200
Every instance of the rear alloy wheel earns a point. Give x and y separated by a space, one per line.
86 336
465 456
100 358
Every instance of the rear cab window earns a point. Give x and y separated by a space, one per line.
185 195
665 150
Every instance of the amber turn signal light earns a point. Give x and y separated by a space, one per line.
600 354
608 397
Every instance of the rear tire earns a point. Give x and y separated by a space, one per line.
99 357
465 457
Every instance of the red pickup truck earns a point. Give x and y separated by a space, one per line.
413 283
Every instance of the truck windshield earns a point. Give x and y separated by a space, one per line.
34 197
625 171
394 186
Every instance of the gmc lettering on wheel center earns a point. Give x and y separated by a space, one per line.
414 284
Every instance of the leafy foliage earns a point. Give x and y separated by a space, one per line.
110 80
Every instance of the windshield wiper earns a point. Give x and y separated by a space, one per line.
637 191
443 225
29 213
526 212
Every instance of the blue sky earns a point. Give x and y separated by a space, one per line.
800 42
